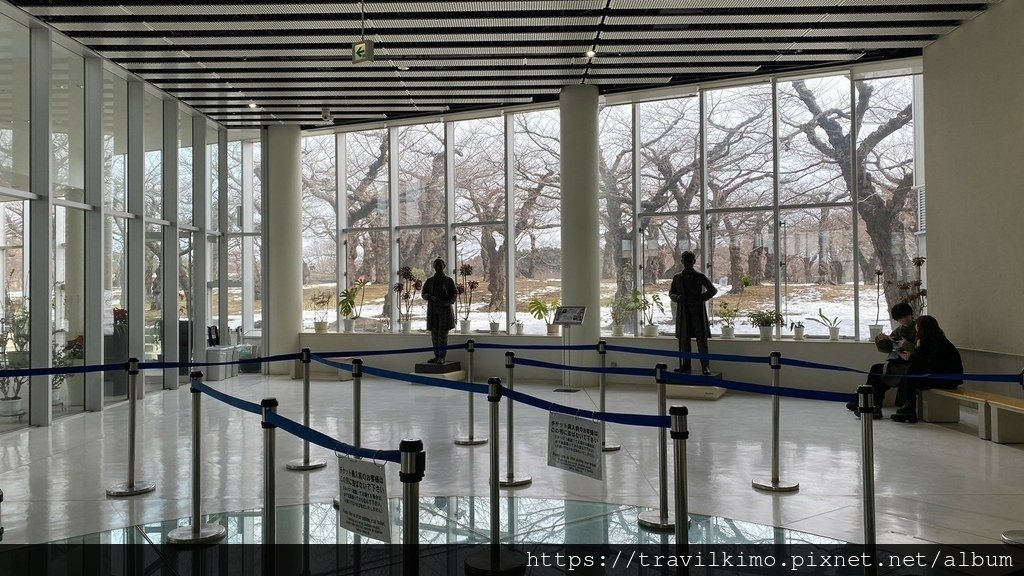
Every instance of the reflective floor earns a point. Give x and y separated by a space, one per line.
466 520
934 483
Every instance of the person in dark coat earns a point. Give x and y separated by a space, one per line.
933 353
883 377
690 290
439 293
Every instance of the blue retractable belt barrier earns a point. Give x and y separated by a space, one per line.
974 377
697 380
427 380
10 372
245 405
326 362
357 353
675 354
591 347
649 372
629 419
320 439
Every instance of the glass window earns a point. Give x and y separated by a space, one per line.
669 155
421 166
417 249
67 109
115 142
68 348
367 178
616 205
742 248
16 334
185 173
369 257
213 161
739 147
319 227
480 170
538 234
153 161
115 311
152 282
484 249
14 105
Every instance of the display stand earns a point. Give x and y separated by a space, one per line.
568 316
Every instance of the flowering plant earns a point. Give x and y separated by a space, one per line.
75 348
322 301
406 288
465 290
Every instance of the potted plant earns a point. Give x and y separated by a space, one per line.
347 307
798 329
765 320
517 326
322 303
831 323
545 311
464 290
494 317
875 329
646 305
10 386
620 314
74 352
727 314
406 289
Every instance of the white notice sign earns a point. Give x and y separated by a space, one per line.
363 498
574 444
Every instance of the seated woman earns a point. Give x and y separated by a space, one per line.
933 353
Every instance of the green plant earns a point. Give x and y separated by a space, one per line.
542 310
763 318
464 291
728 313
321 301
347 301
621 309
795 325
825 320
646 305
361 284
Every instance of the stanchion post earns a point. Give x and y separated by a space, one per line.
775 484
680 434
602 351
659 519
510 479
198 532
413 465
132 487
357 402
269 406
304 463
469 439
866 408
494 560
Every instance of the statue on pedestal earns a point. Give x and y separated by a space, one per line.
690 290
439 293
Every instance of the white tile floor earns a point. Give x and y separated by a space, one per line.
935 483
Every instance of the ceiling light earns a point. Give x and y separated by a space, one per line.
591 53
252 104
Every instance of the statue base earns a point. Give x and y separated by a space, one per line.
448 370
696 392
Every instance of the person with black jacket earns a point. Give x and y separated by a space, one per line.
882 377
933 353
690 291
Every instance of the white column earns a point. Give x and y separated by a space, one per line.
581 271
95 271
200 247
134 295
282 308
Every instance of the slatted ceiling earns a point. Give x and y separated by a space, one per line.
292 58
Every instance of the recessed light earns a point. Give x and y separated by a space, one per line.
591 53
252 104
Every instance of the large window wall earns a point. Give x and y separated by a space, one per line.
758 179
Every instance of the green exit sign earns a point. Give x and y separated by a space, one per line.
362 51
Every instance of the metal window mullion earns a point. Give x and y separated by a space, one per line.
636 204
169 244
775 202
393 218
266 320
245 224
222 225
94 268
510 224
449 193
341 214
855 220
38 224
135 243
706 235
200 247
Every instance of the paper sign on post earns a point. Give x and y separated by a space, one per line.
363 498
574 444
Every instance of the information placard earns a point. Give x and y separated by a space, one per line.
569 315
574 444
363 498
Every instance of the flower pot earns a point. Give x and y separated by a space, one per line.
616 330
553 329
833 333
798 333
10 406
348 324
519 328
728 332
320 327
765 332
494 327
874 330
465 327
650 330
405 326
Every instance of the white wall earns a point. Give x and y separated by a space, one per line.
974 150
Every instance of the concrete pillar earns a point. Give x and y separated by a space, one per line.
282 308
581 271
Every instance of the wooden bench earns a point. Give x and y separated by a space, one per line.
939 405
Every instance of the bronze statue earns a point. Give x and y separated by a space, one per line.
439 293
690 290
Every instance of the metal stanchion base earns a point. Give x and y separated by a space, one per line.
125 489
610 448
769 486
507 563
207 533
303 464
1014 537
653 520
513 481
337 503
469 441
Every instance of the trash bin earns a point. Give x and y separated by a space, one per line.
218 354
249 351
236 352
